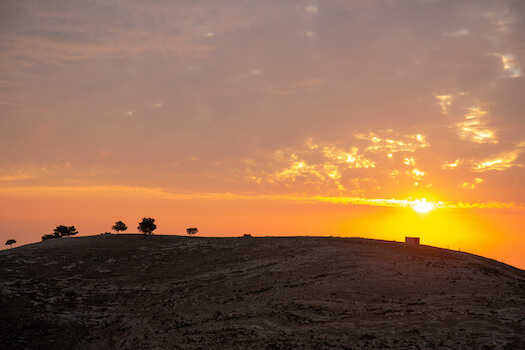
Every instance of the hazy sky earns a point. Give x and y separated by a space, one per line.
122 107
368 99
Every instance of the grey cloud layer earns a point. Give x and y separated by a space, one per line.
181 94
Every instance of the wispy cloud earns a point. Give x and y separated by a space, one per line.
470 185
501 162
8 178
311 9
451 165
458 33
388 142
474 127
510 65
159 193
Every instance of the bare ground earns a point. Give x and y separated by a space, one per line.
170 292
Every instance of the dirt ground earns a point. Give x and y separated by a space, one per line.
171 292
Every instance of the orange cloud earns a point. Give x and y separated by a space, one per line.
501 162
473 128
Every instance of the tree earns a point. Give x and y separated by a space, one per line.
63 231
10 242
48 236
192 230
147 226
119 226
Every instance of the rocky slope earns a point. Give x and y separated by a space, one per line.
170 292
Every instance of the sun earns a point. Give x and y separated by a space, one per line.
422 206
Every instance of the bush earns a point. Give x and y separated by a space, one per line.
65 231
61 231
192 230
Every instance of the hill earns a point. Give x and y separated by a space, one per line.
171 292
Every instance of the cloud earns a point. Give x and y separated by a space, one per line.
452 165
159 193
470 185
325 166
67 190
311 9
510 65
27 172
63 32
7 178
417 174
409 161
389 143
474 129
386 97
458 33
321 165
501 162
444 102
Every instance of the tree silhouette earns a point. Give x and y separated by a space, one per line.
48 236
10 242
147 226
119 226
64 231
192 230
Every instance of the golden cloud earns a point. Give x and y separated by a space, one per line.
444 102
389 144
501 162
470 185
451 165
474 129
322 165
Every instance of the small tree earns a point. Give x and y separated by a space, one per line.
192 230
10 242
48 236
119 226
64 231
147 226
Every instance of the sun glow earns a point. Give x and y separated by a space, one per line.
422 206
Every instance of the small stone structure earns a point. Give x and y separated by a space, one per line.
412 240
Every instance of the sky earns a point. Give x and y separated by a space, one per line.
266 117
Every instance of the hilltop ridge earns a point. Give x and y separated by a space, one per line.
136 292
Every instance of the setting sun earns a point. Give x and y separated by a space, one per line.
422 206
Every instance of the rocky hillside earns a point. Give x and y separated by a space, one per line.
170 292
